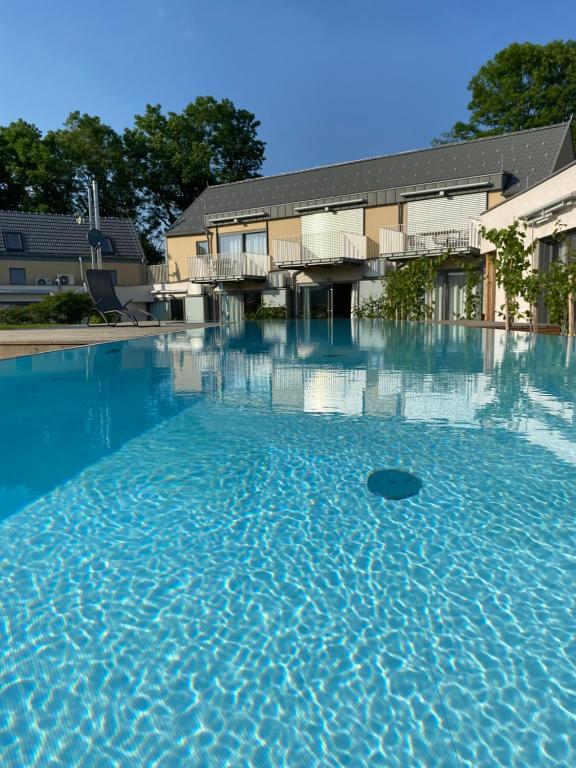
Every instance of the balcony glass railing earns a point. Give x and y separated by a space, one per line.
214 267
323 248
431 238
157 273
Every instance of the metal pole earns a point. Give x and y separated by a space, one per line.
96 220
91 224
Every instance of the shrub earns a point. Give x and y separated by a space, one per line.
66 307
405 292
267 313
16 316
371 308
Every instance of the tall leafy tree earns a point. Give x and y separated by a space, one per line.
95 151
525 85
34 176
174 156
150 173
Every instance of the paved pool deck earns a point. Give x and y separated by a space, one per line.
28 341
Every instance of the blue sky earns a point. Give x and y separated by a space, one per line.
329 80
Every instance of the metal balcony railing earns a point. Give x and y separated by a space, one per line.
216 267
157 273
323 248
433 238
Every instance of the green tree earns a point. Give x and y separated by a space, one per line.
34 175
525 85
149 174
93 150
512 265
174 156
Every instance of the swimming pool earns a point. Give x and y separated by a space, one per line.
194 571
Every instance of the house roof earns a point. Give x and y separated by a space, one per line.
527 157
53 235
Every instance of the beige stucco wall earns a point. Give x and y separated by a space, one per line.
336 274
178 249
249 226
279 229
380 216
494 198
127 273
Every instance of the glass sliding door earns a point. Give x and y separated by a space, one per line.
230 243
230 248
455 295
255 242
315 301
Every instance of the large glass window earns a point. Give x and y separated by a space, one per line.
17 276
13 241
559 249
230 243
255 242
248 242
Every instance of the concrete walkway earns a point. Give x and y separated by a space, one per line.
27 341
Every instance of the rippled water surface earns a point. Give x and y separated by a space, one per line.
194 572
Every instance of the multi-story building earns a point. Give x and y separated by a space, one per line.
41 253
319 241
547 210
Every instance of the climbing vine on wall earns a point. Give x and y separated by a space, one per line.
406 292
512 263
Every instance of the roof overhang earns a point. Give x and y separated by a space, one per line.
447 190
236 218
330 206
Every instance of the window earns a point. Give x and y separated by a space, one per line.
202 248
255 242
248 242
17 276
107 246
230 243
13 241
558 249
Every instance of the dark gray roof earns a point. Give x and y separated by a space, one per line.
526 156
53 235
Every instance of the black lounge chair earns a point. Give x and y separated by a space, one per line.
106 302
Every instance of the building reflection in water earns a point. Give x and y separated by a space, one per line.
453 375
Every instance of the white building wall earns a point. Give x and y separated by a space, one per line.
562 184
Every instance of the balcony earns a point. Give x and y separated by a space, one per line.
322 248
398 241
232 267
157 273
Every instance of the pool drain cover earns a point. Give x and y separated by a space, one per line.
393 483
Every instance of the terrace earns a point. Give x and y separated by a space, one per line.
233 267
322 248
405 240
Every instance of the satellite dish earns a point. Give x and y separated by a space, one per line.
95 237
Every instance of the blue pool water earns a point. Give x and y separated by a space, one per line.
195 573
